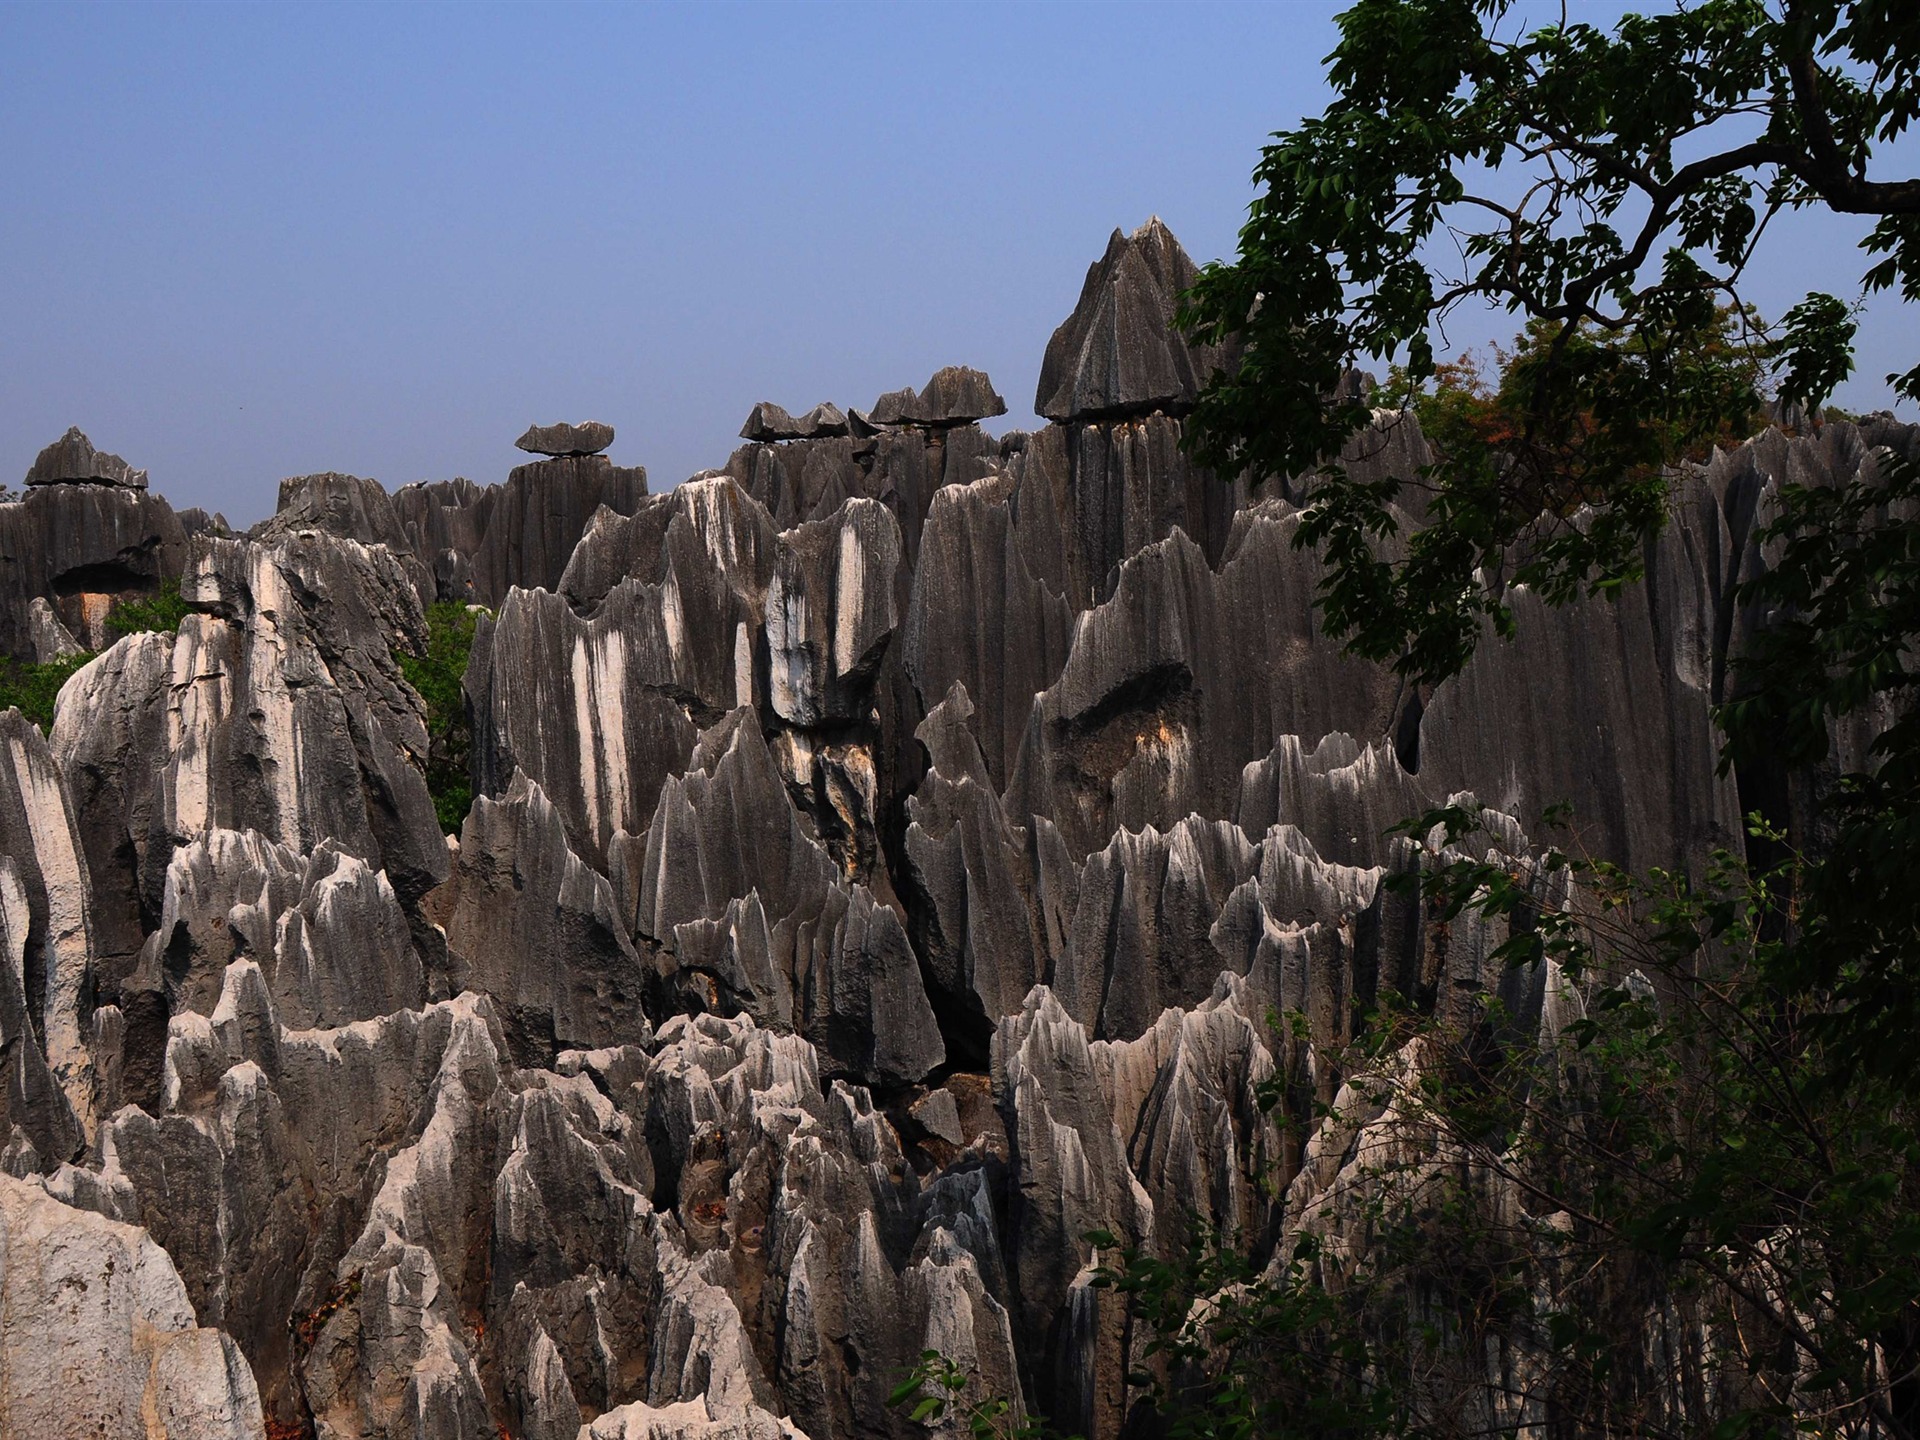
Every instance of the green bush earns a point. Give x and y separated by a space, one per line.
33 688
162 612
436 675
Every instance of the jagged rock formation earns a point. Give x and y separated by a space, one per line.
86 533
887 855
770 422
72 460
1120 353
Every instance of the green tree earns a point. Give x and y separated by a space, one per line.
163 612
33 688
436 674
1612 186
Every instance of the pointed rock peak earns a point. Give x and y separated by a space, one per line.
72 460
823 420
589 437
1120 352
718 740
893 408
769 421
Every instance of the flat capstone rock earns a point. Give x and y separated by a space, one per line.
589 437
956 395
771 423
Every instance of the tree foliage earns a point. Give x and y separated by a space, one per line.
33 688
436 675
163 612
1611 186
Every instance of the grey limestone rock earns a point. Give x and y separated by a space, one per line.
830 612
690 1420
326 929
798 994
196 521
822 422
97 1337
956 395
706 535
49 922
1186 1094
979 618
78 549
47 637
769 423
993 901
1120 353
1139 939
531 925
676 597
804 480
445 522
738 890
693 606
588 437
38 1119
586 709
901 467
278 707
72 460
1070 1177
537 517
1583 708
343 505
1342 795
1156 711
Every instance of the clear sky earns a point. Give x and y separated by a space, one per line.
239 243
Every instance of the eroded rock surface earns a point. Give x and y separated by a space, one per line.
890 857
72 460
589 437
74 550
97 1337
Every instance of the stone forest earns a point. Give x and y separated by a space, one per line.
828 913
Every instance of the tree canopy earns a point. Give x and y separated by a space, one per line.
1611 186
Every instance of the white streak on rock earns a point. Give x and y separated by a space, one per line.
63 871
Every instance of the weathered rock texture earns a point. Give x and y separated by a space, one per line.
887 856
72 460
589 437
68 551
97 1336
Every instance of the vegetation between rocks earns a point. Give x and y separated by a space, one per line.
436 675
34 687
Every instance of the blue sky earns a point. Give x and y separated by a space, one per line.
239 243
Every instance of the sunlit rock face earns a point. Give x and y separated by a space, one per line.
893 856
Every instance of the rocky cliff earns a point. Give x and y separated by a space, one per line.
891 853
